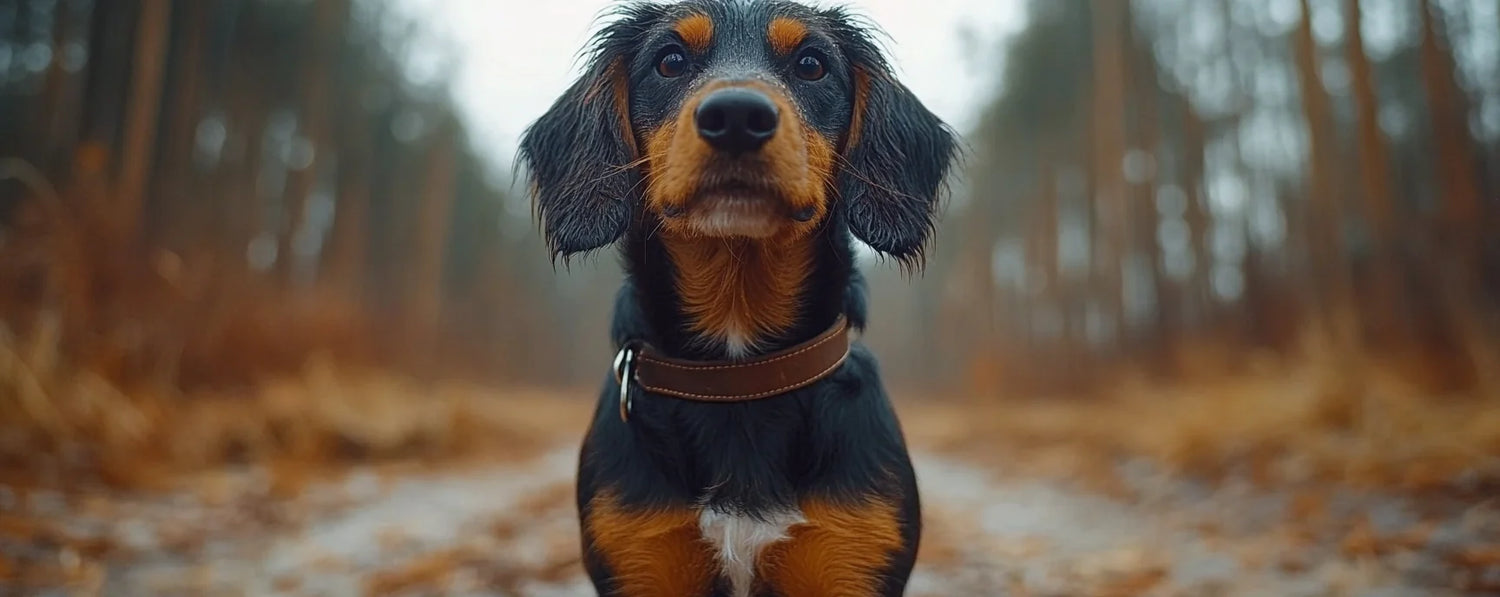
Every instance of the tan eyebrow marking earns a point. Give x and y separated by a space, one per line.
697 31
785 34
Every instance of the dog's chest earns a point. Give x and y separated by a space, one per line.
739 540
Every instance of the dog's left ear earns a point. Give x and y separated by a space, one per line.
897 157
578 156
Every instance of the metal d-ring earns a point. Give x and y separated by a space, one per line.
625 374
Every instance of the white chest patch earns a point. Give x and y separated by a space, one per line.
738 343
739 540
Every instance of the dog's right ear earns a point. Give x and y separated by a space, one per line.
579 156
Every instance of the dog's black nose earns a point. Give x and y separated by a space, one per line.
737 120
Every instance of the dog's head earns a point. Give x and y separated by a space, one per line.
725 118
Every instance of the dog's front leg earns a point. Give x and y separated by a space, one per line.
845 549
648 552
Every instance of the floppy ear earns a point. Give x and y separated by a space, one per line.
578 157
897 153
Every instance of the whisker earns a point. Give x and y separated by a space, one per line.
853 171
631 165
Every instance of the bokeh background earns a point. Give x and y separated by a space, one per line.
1226 268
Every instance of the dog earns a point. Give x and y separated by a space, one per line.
743 444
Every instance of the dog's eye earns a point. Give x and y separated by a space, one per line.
671 63
810 67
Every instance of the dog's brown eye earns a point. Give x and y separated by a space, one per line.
672 63
810 67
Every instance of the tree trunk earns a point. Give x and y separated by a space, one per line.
1198 219
323 39
1043 248
180 210
344 254
1382 263
59 119
1317 111
1332 295
1111 191
138 152
95 159
1459 234
1164 316
424 285
1374 155
1456 179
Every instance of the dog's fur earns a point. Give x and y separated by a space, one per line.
810 493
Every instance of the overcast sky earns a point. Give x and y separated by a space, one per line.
516 56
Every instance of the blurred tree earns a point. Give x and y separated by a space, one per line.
1331 299
1182 197
215 151
138 150
1447 108
1381 260
321 40
1156 182
1111 211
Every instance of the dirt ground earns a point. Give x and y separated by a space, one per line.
1001 519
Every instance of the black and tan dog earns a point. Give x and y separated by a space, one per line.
735 146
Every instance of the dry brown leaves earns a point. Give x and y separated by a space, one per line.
298 426
37 553
535 541
1274 429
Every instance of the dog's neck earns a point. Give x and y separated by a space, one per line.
739 293
717 298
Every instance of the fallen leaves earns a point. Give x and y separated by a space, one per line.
1483 556
430 571
1478 568
1274 430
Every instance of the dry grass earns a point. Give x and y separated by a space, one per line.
127 365
1275 428
56 422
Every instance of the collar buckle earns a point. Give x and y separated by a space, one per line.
624 369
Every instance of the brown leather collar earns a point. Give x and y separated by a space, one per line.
732 381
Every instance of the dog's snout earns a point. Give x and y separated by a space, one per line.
737 120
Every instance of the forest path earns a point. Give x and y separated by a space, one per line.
1003 517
